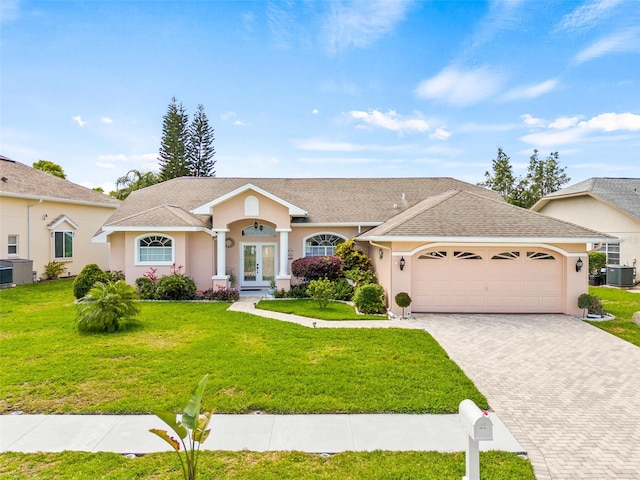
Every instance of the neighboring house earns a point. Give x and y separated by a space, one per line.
45 218
610 205
453 246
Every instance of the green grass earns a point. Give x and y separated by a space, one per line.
308 308
254 363
265 466
622 304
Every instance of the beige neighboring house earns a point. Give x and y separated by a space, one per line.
453 246
610 205
45 218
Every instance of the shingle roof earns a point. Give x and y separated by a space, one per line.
326 200
19 180
622 193
164 216
465 214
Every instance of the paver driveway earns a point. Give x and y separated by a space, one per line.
569 392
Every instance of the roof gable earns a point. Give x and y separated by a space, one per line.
59 220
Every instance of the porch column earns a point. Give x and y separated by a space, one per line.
284 252
221 255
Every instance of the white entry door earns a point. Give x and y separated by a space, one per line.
258 264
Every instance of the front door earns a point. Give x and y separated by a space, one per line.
258 264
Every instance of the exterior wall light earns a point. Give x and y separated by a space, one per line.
381 253
402 263
579 264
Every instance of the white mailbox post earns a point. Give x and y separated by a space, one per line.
478 427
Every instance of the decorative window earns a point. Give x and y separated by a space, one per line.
155 249
433 256
259 230
12 245
62 244
322 245
613 253
540 256
467 256
506 256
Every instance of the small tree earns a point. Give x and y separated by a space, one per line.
321 291
108 307
403 300
50 167
173 145
200 149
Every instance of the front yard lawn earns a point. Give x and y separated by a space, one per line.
265 466
254 363
308 308
622 304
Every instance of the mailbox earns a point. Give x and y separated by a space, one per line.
475 422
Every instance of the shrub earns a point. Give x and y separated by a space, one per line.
87 278
175 287
314 268
280 293
116 275
361 277
369 298
597 260
342 290
403 300
54 269
321 291
107 307
352 259
299 291
222 294
146 288
591 303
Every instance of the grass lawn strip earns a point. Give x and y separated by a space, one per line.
308 308
265 466
622 304
254 363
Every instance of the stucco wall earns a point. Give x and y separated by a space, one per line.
14 220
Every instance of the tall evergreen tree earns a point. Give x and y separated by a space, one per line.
501 179
200 147
173 147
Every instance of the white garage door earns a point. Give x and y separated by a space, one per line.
489 280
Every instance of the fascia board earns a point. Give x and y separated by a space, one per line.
56 200
497 240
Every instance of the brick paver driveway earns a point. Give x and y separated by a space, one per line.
569 392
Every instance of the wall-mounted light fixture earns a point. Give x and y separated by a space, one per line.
402 263
255 225
381 253
579 264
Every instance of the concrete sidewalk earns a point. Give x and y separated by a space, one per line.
306 433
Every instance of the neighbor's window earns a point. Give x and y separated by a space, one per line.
613 253
322 245
155 249
62 244
12 245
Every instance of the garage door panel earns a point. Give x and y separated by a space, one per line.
519 284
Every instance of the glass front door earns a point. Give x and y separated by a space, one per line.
258 264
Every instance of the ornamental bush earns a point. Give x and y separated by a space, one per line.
342 290
175 287
222 294
361 277
54 269
352 259
87 278
369 298
321 291
314 268
107 307
146 288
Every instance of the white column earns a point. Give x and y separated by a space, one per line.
221 254
284 252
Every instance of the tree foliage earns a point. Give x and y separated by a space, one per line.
134 180
543 177
200 149
173 145
314 268
108 307
50 167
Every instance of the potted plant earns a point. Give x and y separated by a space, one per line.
403 300
597 261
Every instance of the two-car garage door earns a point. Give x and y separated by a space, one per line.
487 280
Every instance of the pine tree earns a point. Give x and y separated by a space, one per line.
173 147
200 147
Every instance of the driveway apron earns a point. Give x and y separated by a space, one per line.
568 391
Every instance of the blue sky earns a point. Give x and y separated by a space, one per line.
330 89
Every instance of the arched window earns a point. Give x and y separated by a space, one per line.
321 245
155 249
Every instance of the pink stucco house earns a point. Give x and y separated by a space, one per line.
453 246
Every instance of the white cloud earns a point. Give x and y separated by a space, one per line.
227 116
531 91
390 121
79 121
611 122
532 121
587 15
440 134
458 87
106 120
553 138
315 111
360 23
564 122
240 123
625 41
104 165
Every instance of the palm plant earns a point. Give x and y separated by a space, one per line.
107 307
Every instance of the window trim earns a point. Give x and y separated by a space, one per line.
15 244
315 234
54 234
136 247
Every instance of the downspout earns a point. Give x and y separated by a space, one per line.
29 227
